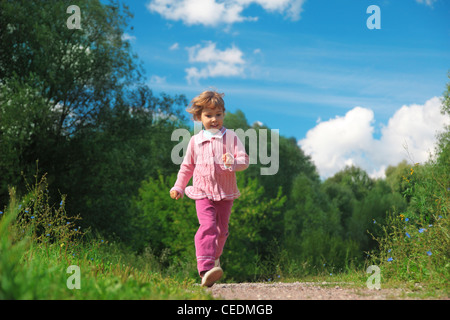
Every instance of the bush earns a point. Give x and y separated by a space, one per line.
34 265
255 223
163 225
414 245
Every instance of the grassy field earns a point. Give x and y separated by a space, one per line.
45 255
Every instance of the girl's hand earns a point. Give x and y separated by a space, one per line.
228 159
174 194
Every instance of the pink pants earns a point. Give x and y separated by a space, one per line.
212 234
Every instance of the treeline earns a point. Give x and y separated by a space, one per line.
74 106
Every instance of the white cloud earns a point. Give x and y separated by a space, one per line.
410 134
175 46
414 127
427 2
157 80
214 12
226 63
128 37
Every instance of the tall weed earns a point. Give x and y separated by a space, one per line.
415 243
38 242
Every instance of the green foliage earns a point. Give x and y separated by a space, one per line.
395 176
26 131
313 228
255 222
236 120
31 267
371 211
109 164
363 204
79 70
55 81
72 100
166 226
414 244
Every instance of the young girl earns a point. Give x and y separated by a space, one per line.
212 158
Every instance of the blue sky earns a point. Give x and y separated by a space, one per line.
310 68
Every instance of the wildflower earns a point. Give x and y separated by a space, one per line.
412 171
422 230
439 216
429 253
389 250
430 225
406 219
407 234
32 217
48 234
62 245
374 221
390 259
1 212
61 203
402 217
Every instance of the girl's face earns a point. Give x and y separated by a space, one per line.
212 119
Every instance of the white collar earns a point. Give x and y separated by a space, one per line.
206 135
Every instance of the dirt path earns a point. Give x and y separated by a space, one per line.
302 291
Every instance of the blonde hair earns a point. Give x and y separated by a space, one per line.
206 99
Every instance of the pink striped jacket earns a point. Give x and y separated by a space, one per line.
203 161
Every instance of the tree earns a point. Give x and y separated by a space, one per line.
396 176
313 230
342 197
255 222
370 212
345 189
356 179
162 223
26 133
78 70
72 99
292 159
106 166
54 80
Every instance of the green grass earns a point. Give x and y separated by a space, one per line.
414 247
38 243
40 273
